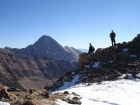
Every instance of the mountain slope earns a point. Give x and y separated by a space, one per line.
28 72
75 53
36 65
45 47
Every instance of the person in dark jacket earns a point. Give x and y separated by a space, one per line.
91 49
112 36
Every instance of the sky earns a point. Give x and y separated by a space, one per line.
73 23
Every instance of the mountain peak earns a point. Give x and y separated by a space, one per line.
44 36
45 39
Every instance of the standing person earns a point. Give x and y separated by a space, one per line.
91 49
112 36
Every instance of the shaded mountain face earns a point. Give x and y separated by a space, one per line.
31 72
36 65
46 47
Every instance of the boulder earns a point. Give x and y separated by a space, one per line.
29 96
59 93
97 57
84 59
124 45
13 97
65 99
47 87
73 101
66 92
75 94
5 94
42 92
13 89
138 36
76 98
99 50
125 54
127 77
34 102
89 84
18 102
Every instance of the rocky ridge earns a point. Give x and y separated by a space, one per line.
105 65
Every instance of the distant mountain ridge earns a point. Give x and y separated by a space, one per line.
36 65
46 46
82 50
73 51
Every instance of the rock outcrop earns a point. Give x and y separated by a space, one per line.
84 59
105 64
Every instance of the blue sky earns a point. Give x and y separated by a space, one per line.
70 22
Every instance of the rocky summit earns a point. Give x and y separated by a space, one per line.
106 64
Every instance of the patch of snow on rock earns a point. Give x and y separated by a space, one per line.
134 55
125 49
96 65
4 103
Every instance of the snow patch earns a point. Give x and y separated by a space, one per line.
111 61
87 66
73 73
96 65
69 84
134 55
4 103
125 49
120 92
